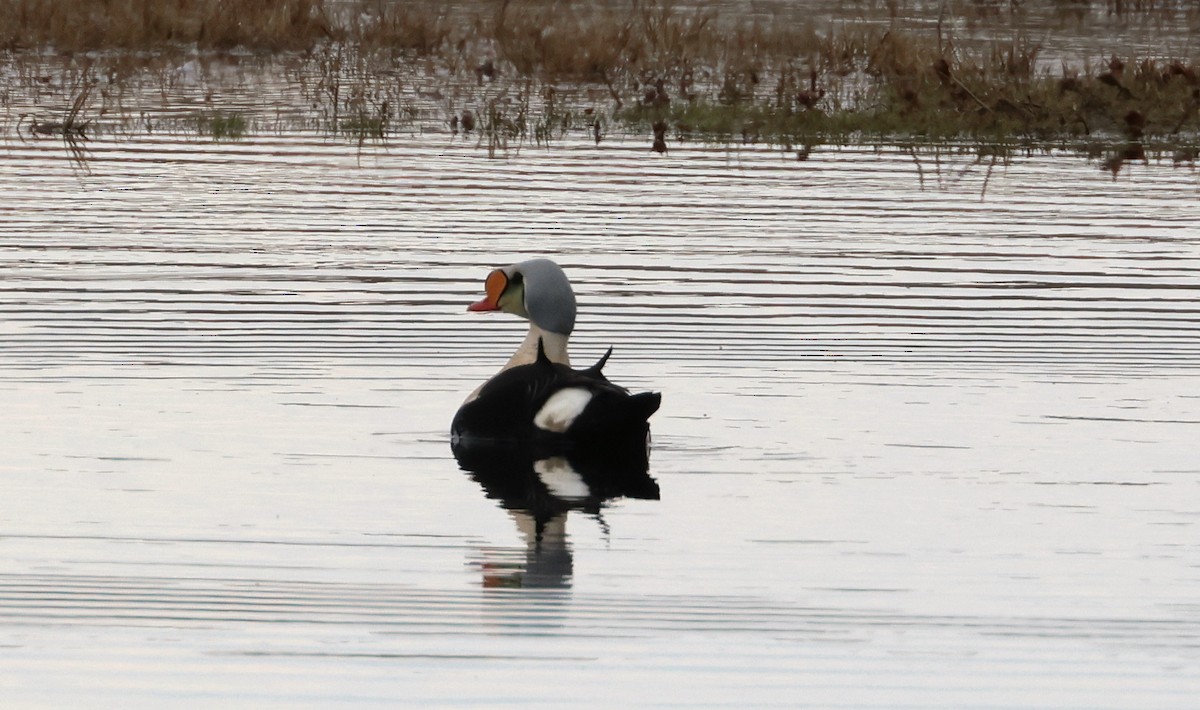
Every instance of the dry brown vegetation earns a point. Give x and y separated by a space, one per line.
867 70
85 25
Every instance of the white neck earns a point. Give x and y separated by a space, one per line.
555 345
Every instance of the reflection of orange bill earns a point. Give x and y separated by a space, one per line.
499 576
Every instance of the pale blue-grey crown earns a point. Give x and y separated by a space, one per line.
549 299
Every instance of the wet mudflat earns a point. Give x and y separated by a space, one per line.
917 448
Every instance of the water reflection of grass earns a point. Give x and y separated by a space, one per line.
902 70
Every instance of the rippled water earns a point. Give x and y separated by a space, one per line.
921 444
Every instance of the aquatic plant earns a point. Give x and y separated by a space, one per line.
227 126
73 126
364 126
221 125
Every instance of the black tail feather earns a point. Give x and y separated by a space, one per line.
597 370
643 404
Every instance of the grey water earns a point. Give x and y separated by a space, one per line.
928 434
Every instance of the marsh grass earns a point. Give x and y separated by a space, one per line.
221 125
531 71
73 124
566 38
137 25
364 127
954 101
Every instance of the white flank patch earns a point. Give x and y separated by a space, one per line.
562 480
559 412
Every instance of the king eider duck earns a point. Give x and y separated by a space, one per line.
537 397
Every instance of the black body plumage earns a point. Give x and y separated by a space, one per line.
508 404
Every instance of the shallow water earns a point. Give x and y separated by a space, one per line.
925 441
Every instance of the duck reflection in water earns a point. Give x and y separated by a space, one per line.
539 487
544 438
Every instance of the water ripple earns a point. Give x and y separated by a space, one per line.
769 260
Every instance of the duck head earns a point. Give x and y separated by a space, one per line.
536 290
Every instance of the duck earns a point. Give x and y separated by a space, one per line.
537 397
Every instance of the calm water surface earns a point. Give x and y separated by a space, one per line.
916 449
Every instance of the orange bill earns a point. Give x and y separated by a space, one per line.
497 281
